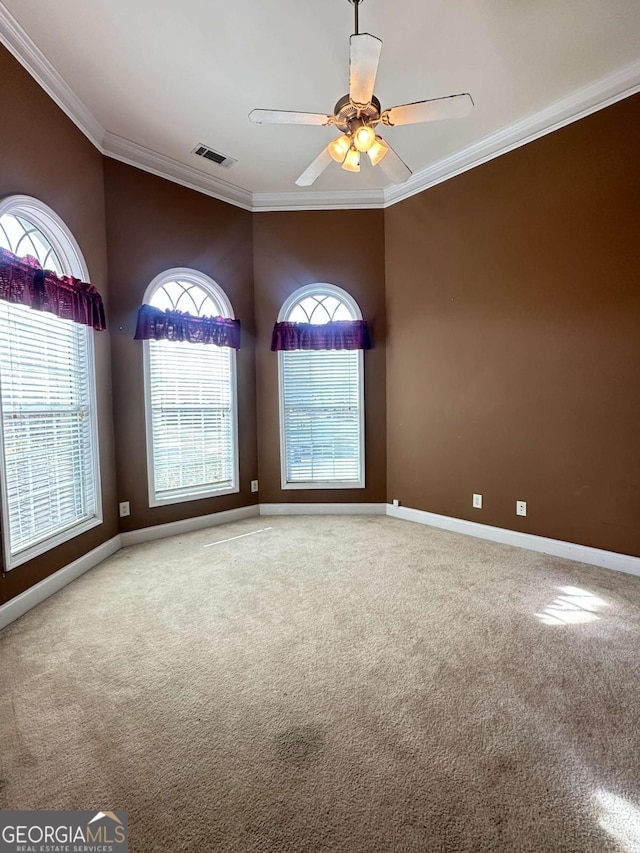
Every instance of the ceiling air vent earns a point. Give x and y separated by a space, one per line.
214 156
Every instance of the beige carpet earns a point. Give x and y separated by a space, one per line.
332 684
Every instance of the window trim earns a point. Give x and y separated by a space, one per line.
70 255
289 303
218 295
53 227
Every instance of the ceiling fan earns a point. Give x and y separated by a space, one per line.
358 114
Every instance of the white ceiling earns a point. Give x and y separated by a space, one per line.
148 80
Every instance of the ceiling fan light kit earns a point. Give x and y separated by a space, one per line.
338 148
357 115
377 151
363 136
352 160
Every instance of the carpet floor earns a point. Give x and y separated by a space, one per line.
353 684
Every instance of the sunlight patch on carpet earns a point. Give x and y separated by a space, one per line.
621 819
241 536
574 606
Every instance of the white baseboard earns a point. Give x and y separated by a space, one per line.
173 528
556 547
21 604
322 509
25 601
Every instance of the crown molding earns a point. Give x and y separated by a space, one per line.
318 200
36 63
166 167
29 55
589 99
579 104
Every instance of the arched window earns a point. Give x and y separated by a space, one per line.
321 398
190 389
49 459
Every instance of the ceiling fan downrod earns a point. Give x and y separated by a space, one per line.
355 4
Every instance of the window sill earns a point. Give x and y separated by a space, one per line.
325 484
176 498
33 551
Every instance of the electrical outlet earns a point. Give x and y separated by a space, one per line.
125 508
521 507
396 502
477 501
254 485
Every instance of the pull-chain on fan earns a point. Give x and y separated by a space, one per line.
357 115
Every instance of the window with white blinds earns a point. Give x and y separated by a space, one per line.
50 479
321 399
191 399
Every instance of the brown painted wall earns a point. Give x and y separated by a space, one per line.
339 247
43 154
153 225
506 359
513 308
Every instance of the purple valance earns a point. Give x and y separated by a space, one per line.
338 334
178 326
22 280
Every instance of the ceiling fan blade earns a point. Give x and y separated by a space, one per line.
364 55
453 106
312 172
289 117
394 167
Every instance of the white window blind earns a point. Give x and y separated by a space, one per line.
190 399
49 459
192 423
321 392
50 477
321 399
